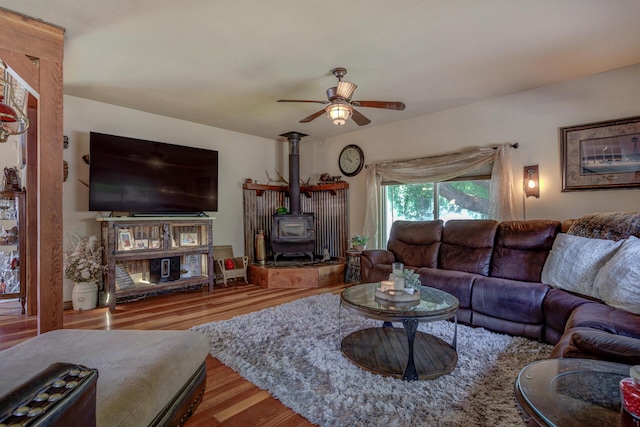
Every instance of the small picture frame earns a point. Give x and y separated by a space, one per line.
141 244
195 264
189 239
154 244
125 239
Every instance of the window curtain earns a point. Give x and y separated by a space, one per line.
442 168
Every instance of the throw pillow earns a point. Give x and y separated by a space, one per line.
574 262
618 281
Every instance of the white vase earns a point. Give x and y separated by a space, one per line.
361 248
84 296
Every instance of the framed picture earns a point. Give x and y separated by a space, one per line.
154 244
189 239
125 239
194 261
141 244
602 155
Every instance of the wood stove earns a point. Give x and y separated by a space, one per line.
293 233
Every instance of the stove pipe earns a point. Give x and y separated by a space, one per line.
294 170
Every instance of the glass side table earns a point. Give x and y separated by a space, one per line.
572 392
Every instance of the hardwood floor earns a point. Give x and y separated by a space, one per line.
229 399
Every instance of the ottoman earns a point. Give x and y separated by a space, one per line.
144 377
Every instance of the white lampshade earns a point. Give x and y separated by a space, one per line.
339 113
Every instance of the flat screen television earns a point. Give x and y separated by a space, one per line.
148 177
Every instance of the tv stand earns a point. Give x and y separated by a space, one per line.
132 242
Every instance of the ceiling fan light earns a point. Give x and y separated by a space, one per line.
339 113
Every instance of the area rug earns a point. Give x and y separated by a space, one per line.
293 351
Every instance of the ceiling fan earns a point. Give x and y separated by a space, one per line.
340 106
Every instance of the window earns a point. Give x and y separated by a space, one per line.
442 200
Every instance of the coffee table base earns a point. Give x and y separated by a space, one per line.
384 351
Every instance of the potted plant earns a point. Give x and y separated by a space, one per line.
83 266
359 242
411 279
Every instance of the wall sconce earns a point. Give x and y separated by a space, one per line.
531 181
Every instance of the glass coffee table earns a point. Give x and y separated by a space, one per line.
572 392
404 353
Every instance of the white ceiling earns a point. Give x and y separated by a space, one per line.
224 63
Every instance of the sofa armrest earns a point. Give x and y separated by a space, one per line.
377 256
62 394
375 264
606 346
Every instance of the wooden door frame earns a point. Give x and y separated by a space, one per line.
34 50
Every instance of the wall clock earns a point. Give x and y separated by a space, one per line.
351 160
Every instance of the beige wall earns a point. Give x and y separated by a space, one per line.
531 118
240 156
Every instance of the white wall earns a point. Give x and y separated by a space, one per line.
240 156
531 118
9 157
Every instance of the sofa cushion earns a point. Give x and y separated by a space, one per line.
509 299
604 345
587 343
599 316
618 281
508 306
457 283
557 307
467 245
574 262
416 243
521 248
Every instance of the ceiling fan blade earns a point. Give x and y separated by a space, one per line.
302 100
346 89
389 105
312 117
359 118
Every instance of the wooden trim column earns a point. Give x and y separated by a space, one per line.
34 50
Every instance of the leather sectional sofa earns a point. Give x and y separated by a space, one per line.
494 269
